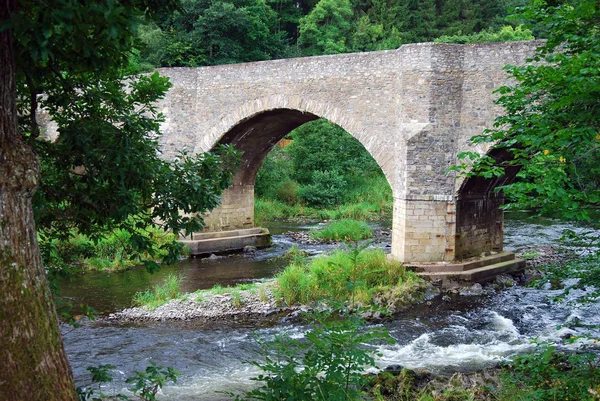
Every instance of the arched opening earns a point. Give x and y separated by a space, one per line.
479 216
255 137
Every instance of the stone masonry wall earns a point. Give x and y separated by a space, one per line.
413 109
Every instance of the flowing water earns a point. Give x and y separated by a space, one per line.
468 333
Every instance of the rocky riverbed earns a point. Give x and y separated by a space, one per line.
211 305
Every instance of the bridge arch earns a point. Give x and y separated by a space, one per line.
254 129
413 109
277 116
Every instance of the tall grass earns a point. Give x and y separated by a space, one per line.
328 277
344 230
160 293
271 209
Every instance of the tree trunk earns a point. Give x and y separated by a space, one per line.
33 363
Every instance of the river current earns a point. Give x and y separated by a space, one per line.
468 333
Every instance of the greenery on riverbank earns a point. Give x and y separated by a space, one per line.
160 294
323 174
367 277
343 230
112 252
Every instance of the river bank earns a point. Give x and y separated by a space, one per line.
260 299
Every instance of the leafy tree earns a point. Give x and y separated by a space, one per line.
323 146
551 126
103 167
505 34
325 30
213 32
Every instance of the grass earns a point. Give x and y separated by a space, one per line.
160 294
366 201
336 277
344 230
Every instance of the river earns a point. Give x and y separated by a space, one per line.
466 334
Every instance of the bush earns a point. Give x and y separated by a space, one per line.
326 190
344 230
111 252
505 34
287 191
547 374
327 365
275 170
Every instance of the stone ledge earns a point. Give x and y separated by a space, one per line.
476 270
227 241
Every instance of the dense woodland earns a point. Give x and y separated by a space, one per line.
209 32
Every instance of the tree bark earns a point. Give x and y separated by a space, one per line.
33 363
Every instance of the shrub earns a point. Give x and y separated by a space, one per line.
275 170
327 189
547 374
288 191
344 230
327 365
505 34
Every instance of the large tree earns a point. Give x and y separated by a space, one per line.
69 56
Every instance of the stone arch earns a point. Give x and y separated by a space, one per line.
237 124
255 128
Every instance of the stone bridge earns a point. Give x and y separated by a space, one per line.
413 109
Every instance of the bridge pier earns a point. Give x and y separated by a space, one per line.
236 210
423 229
439 228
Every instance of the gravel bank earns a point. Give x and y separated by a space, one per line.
209 305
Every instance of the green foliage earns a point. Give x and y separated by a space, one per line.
326 28
328 365
344 230
547 374
551 122
160 293
296 256
146 383
323 168
341 275
214 32
322 146
152 379
105 165
274 172
236 298
112 252
505 34
327 189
